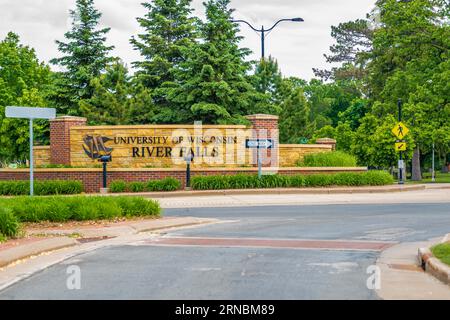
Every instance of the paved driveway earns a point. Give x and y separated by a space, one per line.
279 252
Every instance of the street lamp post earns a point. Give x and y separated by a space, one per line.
264 32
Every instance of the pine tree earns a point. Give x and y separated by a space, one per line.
85 57
214 86
117 99
268 77
269 82
168 29
294 118
111 97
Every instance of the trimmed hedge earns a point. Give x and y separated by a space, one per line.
41 188
9 225
167 184
328 159
78 208
370 178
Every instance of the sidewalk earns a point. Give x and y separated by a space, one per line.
297 197
42 240
278 191
403 278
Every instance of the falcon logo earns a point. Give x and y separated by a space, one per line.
94 146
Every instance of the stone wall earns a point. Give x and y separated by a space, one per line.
291 153
41 156
73 143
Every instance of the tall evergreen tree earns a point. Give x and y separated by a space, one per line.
214 85
294 118
85 57
268 77
268 80
110 101
168 29
118 99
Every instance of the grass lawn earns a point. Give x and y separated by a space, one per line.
440 178
442 252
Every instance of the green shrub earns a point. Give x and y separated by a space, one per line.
377 178
61 209
167 184
9 225
12 188
347 179
136 186
318 180
328 159
138 206
243 181
371 178
41 188
118 186
171 184
55 187
297 181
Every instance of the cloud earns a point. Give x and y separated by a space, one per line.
299 47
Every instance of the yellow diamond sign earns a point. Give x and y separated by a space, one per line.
400 146
400 130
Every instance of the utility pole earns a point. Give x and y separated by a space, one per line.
433 177
401 163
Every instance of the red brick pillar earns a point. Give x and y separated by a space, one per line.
60 138
265 126
327 141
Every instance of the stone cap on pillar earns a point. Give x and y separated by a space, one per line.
70 119
262 117
328 141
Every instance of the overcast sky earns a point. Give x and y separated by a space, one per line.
298 47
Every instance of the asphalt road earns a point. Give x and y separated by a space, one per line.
143 270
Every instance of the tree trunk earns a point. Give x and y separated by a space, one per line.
416 172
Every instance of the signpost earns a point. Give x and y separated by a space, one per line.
31 114
259 144
400 131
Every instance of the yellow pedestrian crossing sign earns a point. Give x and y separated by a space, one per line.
400 130
400 146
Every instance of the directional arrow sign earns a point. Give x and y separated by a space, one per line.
400 146
259 143
400 130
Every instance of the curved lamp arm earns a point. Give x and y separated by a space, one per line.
282 20
236 21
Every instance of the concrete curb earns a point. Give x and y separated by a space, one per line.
200 193
433 265
11 255
438 186
60 241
